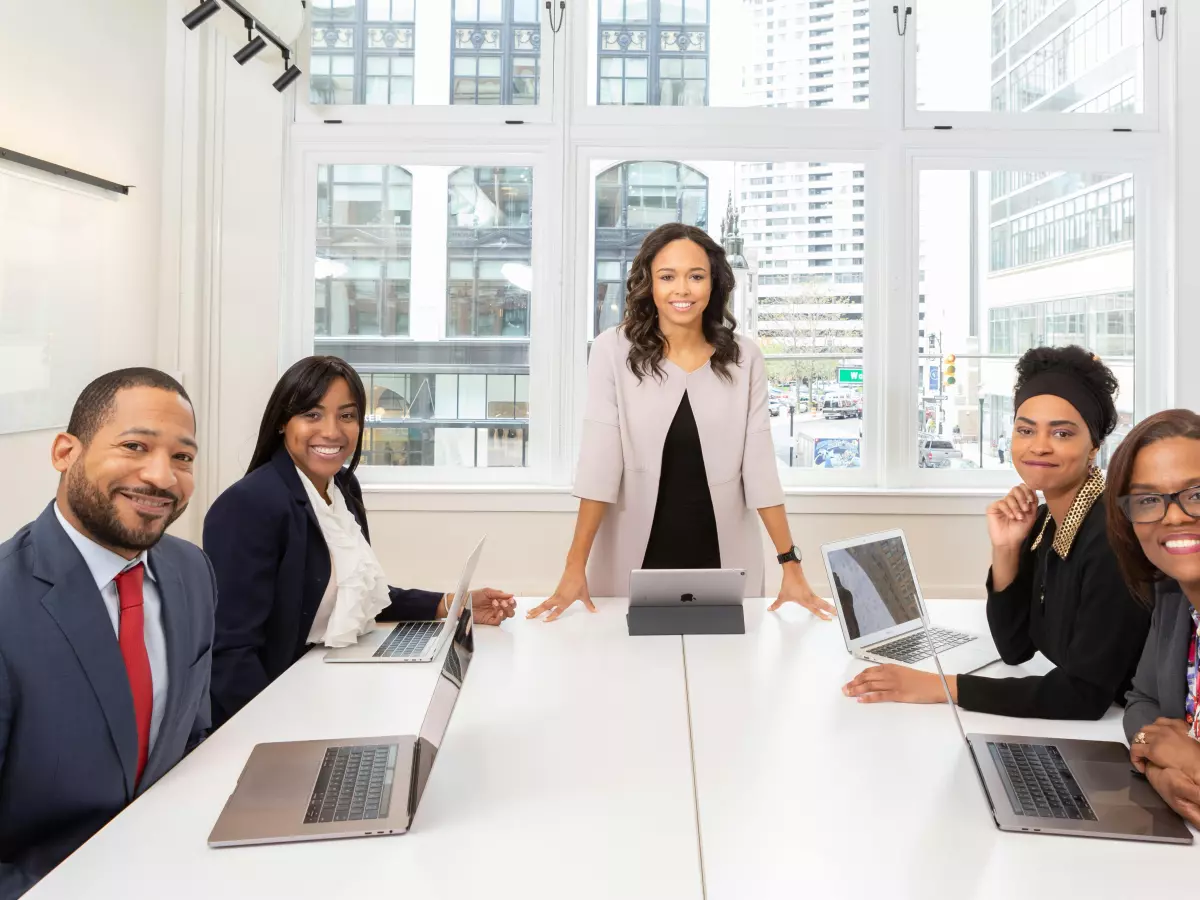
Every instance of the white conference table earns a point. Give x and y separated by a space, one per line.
565 773
805 792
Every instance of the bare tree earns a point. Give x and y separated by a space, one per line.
805 323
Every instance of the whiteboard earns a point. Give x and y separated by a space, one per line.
54 236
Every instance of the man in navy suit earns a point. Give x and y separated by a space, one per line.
106 626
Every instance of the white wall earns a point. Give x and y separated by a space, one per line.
83 87
525 550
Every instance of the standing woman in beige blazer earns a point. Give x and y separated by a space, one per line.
677 450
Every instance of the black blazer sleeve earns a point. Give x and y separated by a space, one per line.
408 604
1008 610
14 881
1105 642
245 540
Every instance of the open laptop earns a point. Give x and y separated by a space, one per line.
353 787
698 587
875 588
1061 786
409 641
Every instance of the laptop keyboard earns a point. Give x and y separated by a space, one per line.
1039 782
408 639
354 784
914 647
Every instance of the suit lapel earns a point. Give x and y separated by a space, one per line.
286 469
177 628
77 607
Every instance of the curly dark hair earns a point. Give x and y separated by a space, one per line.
1083 365
641 317
1140 574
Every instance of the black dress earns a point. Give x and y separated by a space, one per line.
684 532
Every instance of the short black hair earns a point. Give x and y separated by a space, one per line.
300 389
1083 365
95 404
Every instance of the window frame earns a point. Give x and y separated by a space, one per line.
1149 120
551 72
892 151
1152 383
544 363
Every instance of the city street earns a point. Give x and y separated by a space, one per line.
815 426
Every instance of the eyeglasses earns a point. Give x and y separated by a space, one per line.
1142 509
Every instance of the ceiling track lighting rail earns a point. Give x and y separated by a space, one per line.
255 44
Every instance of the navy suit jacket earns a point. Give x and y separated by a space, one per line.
68 737
272 566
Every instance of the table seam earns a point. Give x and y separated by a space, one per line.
687 704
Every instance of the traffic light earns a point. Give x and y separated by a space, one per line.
948 370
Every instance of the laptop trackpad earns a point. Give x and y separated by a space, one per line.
1119 798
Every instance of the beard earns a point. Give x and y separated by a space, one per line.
98 514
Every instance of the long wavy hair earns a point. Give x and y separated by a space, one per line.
300 389
640 324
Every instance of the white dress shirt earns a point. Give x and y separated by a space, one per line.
105 566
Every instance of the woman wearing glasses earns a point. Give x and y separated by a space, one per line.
1154 527
1054 585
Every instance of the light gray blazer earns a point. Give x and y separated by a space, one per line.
1160 683
624 430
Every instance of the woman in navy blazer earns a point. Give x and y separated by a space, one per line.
271 559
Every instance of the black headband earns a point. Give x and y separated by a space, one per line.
1069 388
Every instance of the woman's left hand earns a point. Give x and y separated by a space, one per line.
795 589
1167 745
895 684
491 607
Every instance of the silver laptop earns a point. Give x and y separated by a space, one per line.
353 787
875 588
698 587
1061 786
409 641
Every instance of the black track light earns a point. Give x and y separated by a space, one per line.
201 13
290 74
248 52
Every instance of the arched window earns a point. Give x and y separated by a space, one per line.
489 277
632 199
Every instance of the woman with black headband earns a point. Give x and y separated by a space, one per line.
1054 585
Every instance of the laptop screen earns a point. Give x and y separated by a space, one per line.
445 696
875 586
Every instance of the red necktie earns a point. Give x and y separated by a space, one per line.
137 662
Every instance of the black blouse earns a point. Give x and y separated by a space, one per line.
684 532
1069 602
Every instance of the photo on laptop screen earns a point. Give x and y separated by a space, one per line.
875 586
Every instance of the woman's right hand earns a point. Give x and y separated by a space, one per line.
571 587
1011 518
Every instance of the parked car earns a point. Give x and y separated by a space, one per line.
774 404
834 407
936 453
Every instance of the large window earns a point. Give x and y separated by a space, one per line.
1029 56
496 50
798 272
799 54
425 52
362 52
909 201
424 277
1060 271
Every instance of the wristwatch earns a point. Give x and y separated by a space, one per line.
792 555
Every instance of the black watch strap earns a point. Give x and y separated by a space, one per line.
792 555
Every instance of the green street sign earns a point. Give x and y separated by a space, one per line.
850 376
